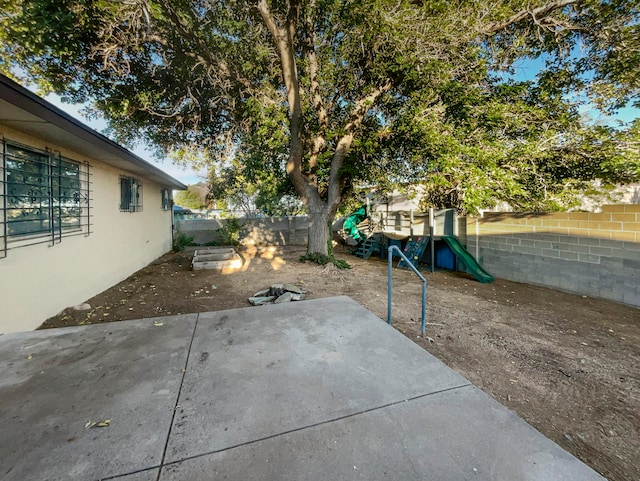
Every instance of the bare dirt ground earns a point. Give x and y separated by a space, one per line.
567 364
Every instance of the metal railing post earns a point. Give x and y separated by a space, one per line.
390 280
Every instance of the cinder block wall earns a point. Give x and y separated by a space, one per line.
261 231
593 254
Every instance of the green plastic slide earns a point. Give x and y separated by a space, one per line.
471 264
351 223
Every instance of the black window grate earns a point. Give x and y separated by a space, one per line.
166 199
130 194
44 195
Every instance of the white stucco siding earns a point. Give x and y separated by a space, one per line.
38 281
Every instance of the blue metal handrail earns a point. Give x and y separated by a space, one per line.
390 279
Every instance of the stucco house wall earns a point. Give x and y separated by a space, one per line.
38 281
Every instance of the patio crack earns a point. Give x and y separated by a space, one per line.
173 416
175 406
314 425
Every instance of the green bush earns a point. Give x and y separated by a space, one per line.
230 232
340 264
316 257
181 241
323 260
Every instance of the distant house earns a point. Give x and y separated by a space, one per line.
78 212
179 210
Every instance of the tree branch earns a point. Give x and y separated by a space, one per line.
208 56
536 13
316 98
360 110
284 38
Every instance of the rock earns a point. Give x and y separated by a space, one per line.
277 294
276 290
292 288
260 300
286 297
82 307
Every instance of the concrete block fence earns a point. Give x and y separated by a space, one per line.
262 230
593 254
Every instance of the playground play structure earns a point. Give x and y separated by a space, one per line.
424 237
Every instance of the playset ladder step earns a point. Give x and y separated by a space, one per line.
365 249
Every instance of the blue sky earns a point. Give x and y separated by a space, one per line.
527 69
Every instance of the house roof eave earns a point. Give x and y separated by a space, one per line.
24 111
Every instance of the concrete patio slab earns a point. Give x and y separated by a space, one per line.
255 373
150 475
53 382
461 434
311 390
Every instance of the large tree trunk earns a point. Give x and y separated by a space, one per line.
319 231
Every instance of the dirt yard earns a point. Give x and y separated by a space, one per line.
567 364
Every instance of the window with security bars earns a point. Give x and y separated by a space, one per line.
44 196
166 199
130 194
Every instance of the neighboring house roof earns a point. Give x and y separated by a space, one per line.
178 209
24 111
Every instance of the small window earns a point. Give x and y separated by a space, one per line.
130 194
166 199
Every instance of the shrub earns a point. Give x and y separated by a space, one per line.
181 241
323 260
230 232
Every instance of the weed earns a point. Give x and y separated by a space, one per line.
181 241
323 260
230 232
315 257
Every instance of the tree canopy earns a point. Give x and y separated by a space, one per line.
512 143
338 93
195 197
253 192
